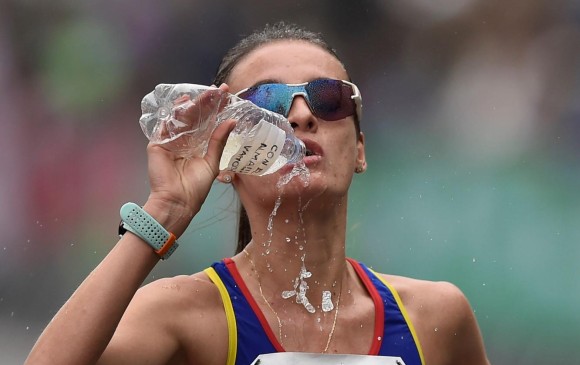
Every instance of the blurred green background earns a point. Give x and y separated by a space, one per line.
472 122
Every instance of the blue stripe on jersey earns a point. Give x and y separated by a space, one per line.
252 339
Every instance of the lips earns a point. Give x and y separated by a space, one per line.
313 155
312 148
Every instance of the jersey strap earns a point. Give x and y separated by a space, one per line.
399 337
230 315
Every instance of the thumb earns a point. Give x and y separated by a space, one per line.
218 141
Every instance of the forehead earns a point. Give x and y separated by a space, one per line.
287 61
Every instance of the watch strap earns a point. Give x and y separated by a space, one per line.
139 222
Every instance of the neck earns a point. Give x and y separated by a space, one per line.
299 244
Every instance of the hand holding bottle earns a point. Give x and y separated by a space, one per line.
182 117
180 185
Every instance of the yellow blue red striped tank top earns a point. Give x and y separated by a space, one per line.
250 335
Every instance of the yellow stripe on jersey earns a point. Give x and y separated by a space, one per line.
405 315
230 316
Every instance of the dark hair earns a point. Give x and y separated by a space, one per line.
270 33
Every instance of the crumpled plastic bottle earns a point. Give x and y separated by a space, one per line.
182 118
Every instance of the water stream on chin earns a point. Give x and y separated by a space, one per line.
300 285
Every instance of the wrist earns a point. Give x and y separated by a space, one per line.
173 217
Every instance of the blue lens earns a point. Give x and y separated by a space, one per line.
328 99
274 97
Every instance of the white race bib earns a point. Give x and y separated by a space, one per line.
294 358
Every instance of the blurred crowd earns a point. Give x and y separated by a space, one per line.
482 85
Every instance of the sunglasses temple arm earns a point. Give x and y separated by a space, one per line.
357 97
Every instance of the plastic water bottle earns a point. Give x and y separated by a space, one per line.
182 117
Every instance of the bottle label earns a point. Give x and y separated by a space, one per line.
253 156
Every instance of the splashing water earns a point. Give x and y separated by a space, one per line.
303 173
270 227
299 170
327 304
300 287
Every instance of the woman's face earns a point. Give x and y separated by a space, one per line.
337 147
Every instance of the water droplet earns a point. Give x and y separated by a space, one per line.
327 304
288 293
436 329
379 338
473 260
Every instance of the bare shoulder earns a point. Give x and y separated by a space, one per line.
180 295
428 296
185 316
183 292
443 319
195 304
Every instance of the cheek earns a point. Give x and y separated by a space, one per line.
344 158
345 146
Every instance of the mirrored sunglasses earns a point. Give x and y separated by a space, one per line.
328 99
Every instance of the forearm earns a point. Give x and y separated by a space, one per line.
81 330
84 326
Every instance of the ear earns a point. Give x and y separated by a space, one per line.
361 161
226 177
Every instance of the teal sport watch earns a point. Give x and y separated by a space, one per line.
137 221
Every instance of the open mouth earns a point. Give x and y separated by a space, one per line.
312 148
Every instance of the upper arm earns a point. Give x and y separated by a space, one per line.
179 320
457 332
146 333
444 321
467 342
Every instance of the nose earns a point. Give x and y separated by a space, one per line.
300 116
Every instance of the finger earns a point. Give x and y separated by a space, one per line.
224 87
218 141
198 111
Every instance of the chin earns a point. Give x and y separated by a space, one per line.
311 186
